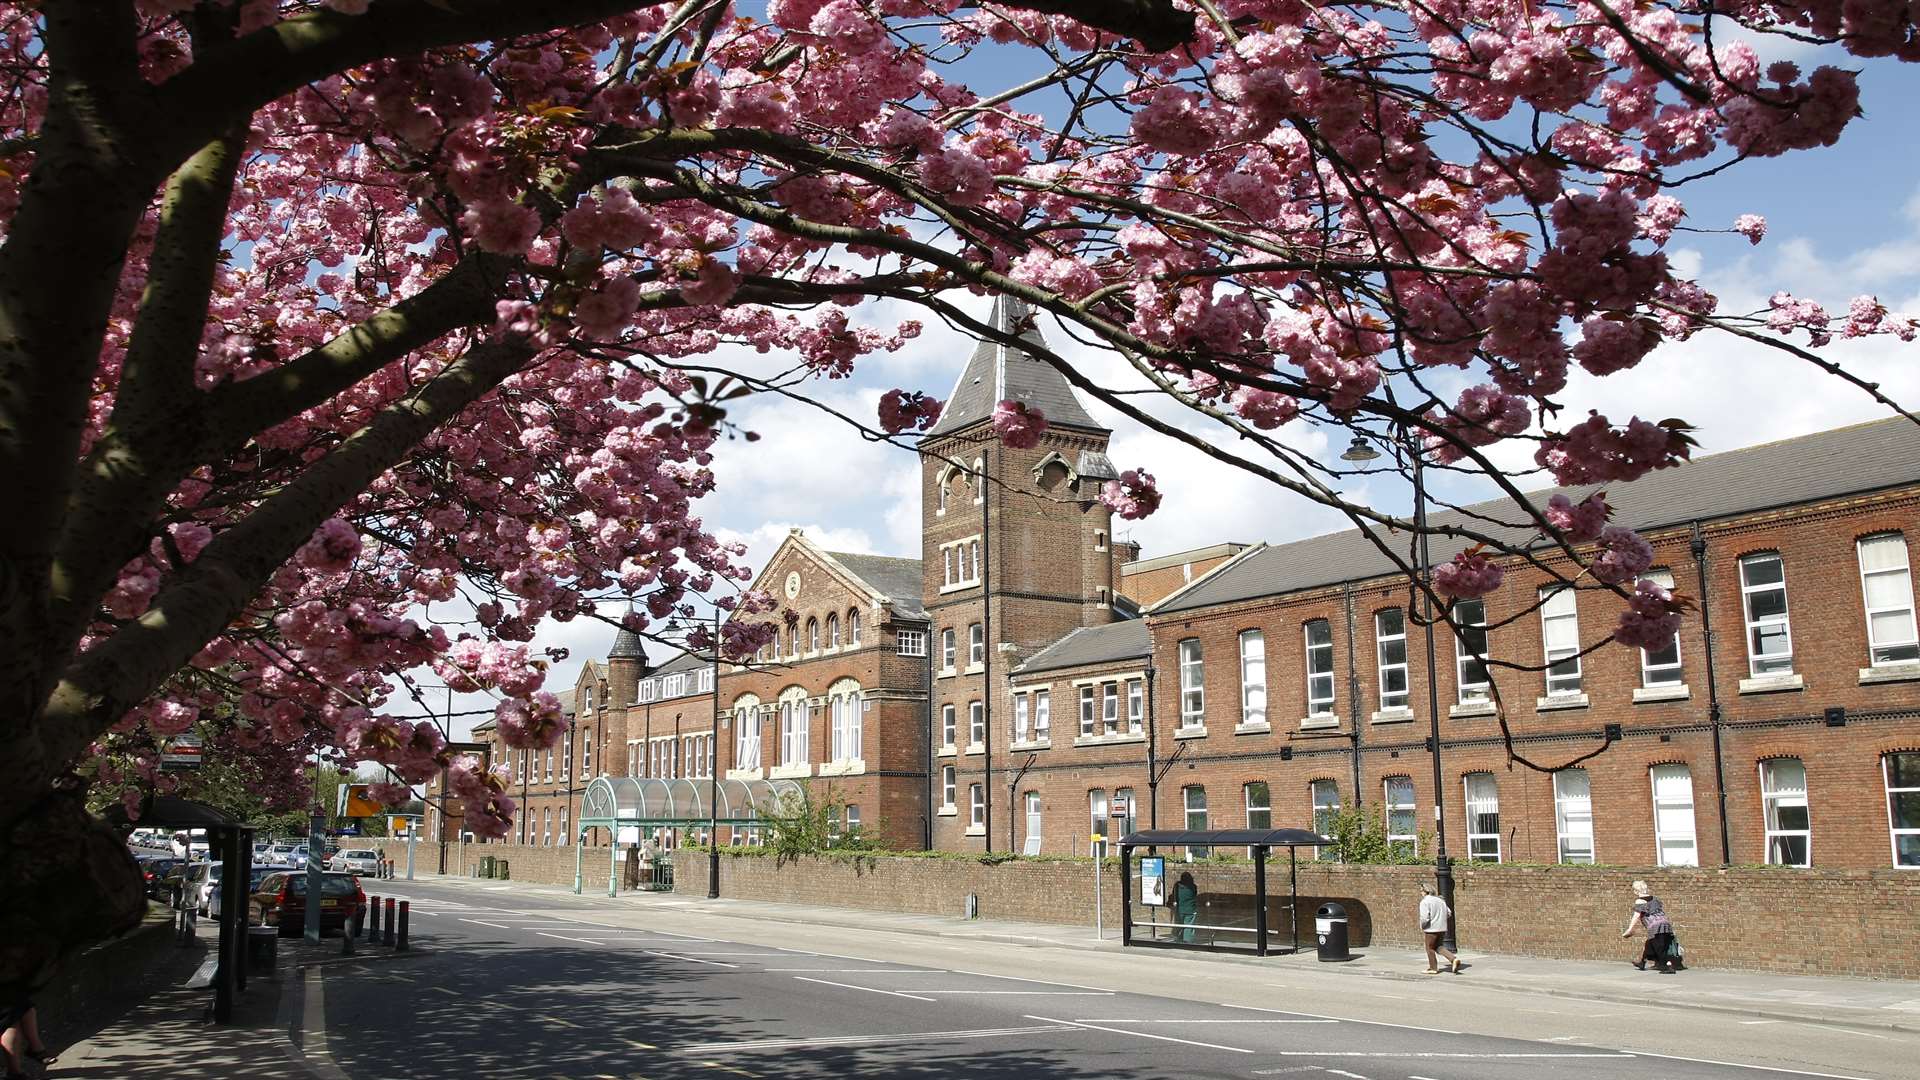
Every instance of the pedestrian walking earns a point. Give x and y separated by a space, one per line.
20 1040
1434 916
1650 913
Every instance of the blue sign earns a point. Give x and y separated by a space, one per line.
1153 881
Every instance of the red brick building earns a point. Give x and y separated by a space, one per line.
1029 674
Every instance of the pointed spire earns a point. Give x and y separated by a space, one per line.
997 373
627 645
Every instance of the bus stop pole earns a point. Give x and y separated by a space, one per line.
1126 895
1293 892
1260 901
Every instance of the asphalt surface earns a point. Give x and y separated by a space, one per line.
513 984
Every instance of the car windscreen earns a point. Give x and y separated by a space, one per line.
330 885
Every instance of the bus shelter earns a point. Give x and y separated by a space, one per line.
615 803
229 843
1162 901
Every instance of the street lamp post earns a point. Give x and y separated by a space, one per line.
1442 864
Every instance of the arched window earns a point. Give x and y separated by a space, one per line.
853 626
793 726
746 732
813 635
978 481
844 713
833 631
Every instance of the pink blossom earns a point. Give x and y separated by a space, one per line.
604 312
957 173
1175 122
501 226
1751 226
390 795
901 411
1580 522
1264 409
1624 555
714 284
1469 576
1651 618
1017 425
332 549
349 7
1594 451
1133 496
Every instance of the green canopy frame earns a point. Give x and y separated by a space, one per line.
614 802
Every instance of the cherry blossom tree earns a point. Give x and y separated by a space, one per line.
315 315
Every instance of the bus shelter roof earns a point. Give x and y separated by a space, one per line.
648 800
1268 838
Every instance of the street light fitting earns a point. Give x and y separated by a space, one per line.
1360 450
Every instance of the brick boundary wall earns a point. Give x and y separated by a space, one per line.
534 865
1814 922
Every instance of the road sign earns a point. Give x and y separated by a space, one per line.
183 751
1118 808
354 802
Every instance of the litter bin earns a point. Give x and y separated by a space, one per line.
1330 928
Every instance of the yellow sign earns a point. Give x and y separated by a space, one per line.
354 802
397 825
1099 837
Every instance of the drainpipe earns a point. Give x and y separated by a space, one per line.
927 817
1354 706
1697 545
1153 772
986 647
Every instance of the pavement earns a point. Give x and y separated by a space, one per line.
515 980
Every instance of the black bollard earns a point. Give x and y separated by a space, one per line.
400 945
386 935
373 920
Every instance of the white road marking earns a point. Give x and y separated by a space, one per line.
843 956
1842 1031
563 937
1142 1035
1410 1076
497 888
858 971
1042 982
867 1040
1446 1054
1111 1020
1021 993
868 989
689 959
1752 1022
1345 1073
1343 1019
483 922
1744 1065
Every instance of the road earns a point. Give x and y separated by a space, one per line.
510 983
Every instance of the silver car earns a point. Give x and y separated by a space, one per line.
356 861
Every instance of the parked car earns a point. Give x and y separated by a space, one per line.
197 885
255 874
280 854
356 861
154 870
281 900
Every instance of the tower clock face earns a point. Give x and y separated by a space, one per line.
793 584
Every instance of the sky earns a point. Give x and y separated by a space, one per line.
1841 222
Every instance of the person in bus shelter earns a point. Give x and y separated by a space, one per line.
1186 905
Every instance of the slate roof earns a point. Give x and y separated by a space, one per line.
1124 640
684 661
1850 460
998 373
628 645
895 578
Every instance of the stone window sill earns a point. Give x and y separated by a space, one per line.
945 673
744 774
1470 709
947 811
959 587
790 772
1643 694
1190 733
1555 702
976 830
847 767
1038 744
974 669
1111 740
1886 673
1393 716
1773 684
1312 722
946 751
976 748
1258 727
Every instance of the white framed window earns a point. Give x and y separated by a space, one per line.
845 720
1560 634
565 837
586 754
549 764
1403 821
1086 712
649 689
946 726
1888 588
1783 793
947 656
746 734
813 636
546 828
909 642
946 786
1483 817
976 723
1110 709
1097 815
1661 666
1325 798
794 646
1902 775
853 628
1136 707
1673 834
1253 677
706 680
566 758
960 563
1319 667
1390 642
833 631
946 566
1573 815
794 717
1194 798
1763 592
853 819
1193 694
1043 714
977 806
1021 717
976 645
1470 642
1035 823
1259 805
